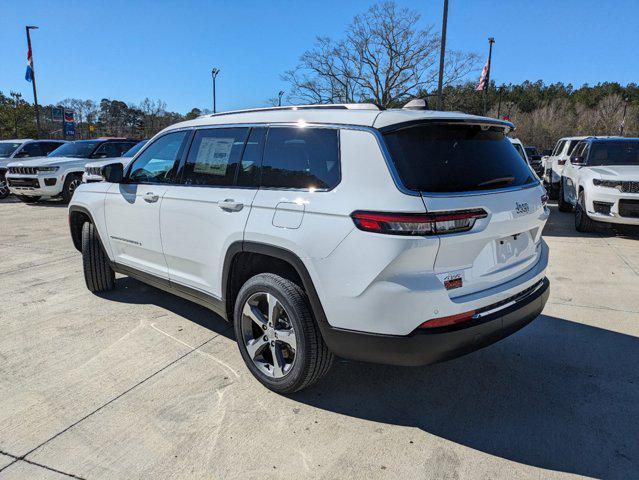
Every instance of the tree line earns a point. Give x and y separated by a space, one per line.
106 118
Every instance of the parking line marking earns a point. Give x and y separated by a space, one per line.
237 375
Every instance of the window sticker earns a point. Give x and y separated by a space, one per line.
213 156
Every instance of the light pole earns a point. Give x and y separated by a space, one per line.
442 53
279 98
33 79
214 73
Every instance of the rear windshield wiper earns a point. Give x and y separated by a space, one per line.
496 181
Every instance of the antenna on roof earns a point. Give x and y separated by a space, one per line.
416 104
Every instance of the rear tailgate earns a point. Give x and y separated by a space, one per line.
499 248
472 166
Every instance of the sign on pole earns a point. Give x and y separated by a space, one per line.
69 123
57 114
69 129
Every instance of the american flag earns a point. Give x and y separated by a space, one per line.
483 79
29 75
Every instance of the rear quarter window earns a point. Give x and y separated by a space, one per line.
456 158
301 158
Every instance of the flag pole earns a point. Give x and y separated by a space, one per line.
491 40
33 79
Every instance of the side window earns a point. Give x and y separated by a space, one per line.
107 150
578 149
214 156
248 174
48 147
159 161
571 146
122 147
31 150
296 157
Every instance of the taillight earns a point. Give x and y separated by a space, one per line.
561 162
447 321
417 223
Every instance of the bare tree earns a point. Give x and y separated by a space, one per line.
384 58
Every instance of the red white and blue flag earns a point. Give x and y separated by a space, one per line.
483 79
29 75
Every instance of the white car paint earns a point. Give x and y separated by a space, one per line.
367 282
93 170
47 169
48 174
554 163
588 178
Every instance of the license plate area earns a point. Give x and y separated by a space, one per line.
512 248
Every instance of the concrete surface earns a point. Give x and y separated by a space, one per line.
140 384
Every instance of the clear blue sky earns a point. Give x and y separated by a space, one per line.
164 50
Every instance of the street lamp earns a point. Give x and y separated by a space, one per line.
279 98
214 73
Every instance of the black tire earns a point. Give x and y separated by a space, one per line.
4 188
583 223
98 274
28 199
72 182
552 190
563 205
313 359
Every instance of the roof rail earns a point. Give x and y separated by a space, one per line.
321 106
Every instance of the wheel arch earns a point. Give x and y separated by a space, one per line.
78 216
236 249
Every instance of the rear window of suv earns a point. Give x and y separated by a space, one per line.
456 158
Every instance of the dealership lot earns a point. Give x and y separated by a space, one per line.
138 383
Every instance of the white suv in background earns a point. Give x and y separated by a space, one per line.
601 182
93 170
22 148
400 236
554 164
60 173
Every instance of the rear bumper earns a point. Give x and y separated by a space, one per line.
424 347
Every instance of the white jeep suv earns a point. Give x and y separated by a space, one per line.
601 182
10 150
404 237
554 163
59 173
93 170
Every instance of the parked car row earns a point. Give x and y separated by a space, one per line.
401 236
44 169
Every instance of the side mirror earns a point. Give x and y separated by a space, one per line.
577 161
113 172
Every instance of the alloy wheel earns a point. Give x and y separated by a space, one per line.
73 184
268 335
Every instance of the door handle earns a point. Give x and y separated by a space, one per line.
230 205
151 197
